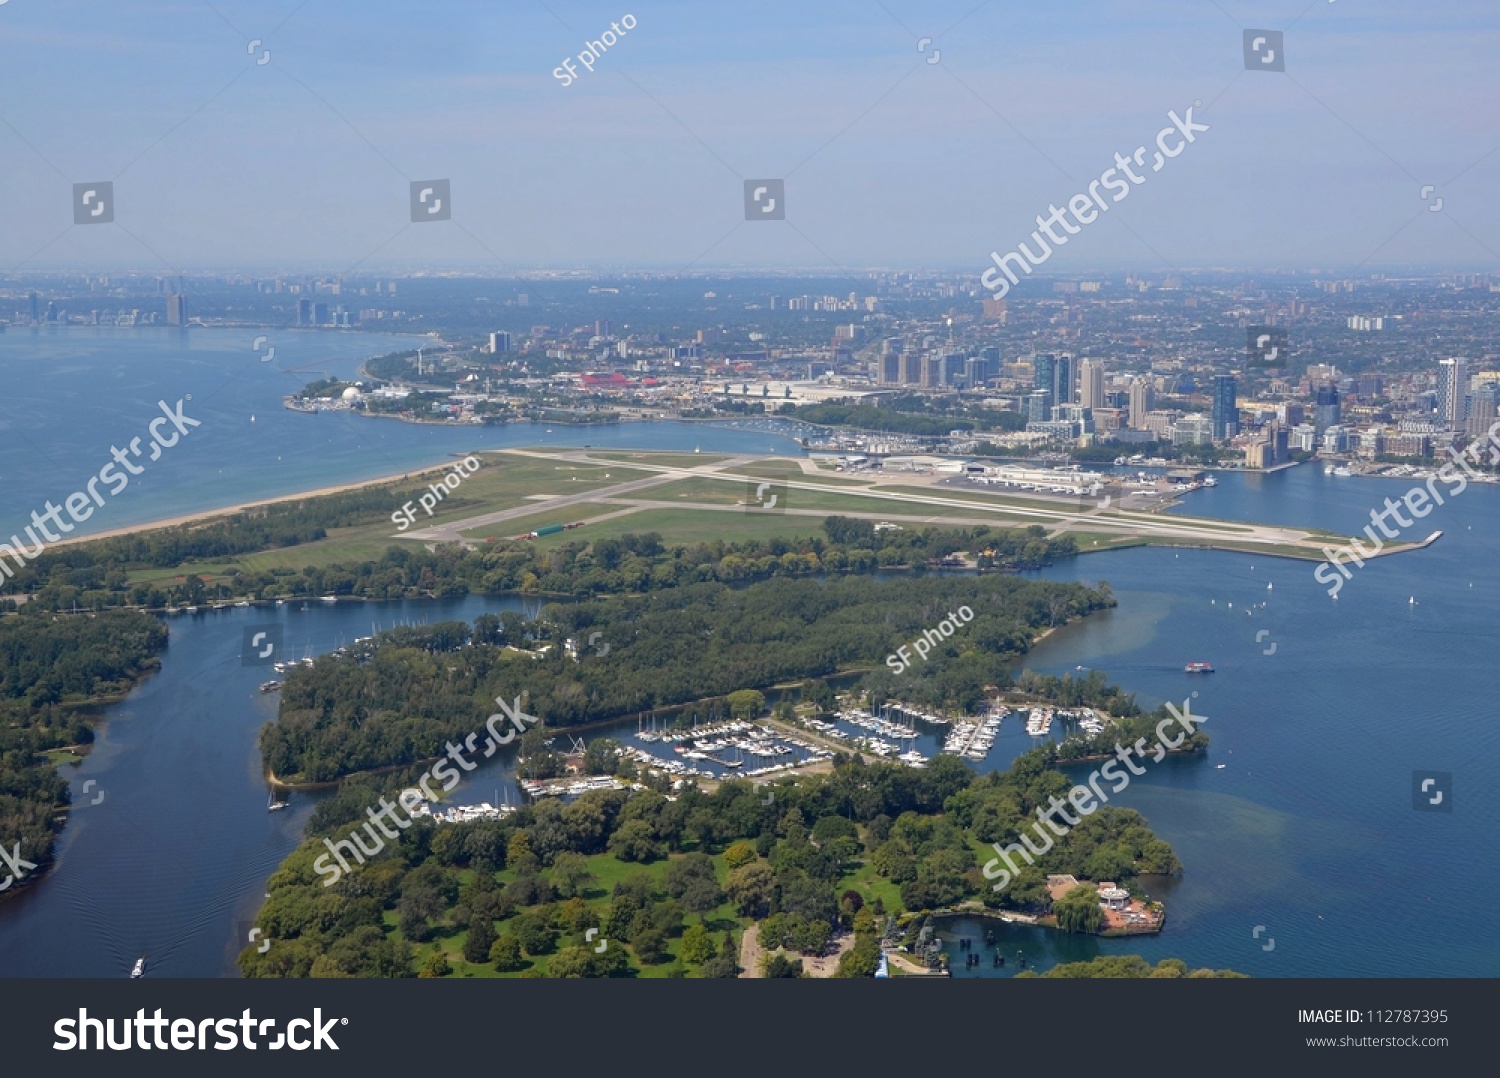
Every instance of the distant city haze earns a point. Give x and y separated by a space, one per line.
284 135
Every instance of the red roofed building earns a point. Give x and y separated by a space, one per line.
612 380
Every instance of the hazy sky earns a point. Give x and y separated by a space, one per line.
305 161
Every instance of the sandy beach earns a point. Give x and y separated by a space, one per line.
209 514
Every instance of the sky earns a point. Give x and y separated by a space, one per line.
298 153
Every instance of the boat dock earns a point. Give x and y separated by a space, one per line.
972 738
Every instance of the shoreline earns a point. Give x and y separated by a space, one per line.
208 514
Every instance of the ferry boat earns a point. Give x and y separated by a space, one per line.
140 969
1210 481
1198 668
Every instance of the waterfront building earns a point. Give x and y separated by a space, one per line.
1453 393
1193 430
1226 413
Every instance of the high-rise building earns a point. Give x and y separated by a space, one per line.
304 312
1091 384
1484 408
889 366
953 368
1453 393
977 371
911 369
320 314
1226 415
499 342
1326 410
932 372
176 309
1039 406
1054 373
36 310
1142 401
602 327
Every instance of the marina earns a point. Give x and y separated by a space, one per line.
973 738
724 749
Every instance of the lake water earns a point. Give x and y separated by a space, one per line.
71 394
1319 712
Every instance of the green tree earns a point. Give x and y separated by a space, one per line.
518 854
635 841
746 703
650 946
480 939
696 947
505 953
751 888
739 854
777 964
534 930
1078 910
727 964
570 874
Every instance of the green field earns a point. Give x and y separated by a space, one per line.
504 482
695 526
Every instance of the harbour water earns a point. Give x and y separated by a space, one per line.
1300 818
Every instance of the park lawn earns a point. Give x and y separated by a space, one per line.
607 870
871 885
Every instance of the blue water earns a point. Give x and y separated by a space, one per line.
1308 829
71 394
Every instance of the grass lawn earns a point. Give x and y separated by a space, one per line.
568 514
688 526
